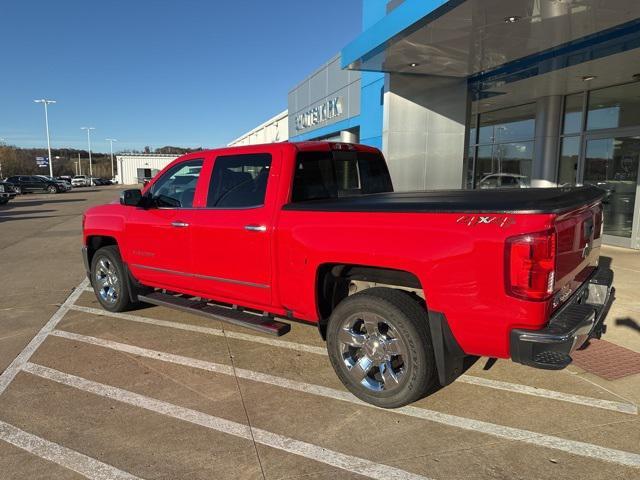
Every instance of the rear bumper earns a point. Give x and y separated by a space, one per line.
569 328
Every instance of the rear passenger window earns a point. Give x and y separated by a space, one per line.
239 181
333 174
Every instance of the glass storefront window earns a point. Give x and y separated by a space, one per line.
469 167
614 107
473 128
573 113
508 125
612 164
569 155
506 165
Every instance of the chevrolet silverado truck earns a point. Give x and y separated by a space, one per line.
405 287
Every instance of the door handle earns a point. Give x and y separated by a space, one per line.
178 224
256 228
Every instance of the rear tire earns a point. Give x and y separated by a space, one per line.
109 280
380 347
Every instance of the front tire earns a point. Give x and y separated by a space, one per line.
18 190
109 280
380 347
52 189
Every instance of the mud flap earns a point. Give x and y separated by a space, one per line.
449 356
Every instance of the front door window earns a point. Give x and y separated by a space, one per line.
612 164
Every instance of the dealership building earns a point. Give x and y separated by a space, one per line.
490 93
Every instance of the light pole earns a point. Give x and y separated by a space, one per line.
88 129
1 143
111 140
46 102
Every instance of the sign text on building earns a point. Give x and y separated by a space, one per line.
319 114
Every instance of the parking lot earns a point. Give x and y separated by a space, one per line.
156 393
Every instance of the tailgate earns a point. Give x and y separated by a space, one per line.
579 236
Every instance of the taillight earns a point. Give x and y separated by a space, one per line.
530 263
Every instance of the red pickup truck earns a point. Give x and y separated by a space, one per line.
405 287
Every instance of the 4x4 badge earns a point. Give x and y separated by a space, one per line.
503 221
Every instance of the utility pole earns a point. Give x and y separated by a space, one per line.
79 164
2 144
88 129
46 102
111 140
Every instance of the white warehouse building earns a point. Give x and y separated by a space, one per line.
274 130
133 168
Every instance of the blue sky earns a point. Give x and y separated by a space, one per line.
164 72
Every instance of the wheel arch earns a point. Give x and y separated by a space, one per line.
332 286
96 242
334 279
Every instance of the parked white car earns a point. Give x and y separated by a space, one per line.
80 181
504 180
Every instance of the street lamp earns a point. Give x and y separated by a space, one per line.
1 143
88 129
111 140
46 102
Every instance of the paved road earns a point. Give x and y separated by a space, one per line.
40 260
159 394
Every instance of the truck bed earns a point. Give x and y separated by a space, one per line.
506 200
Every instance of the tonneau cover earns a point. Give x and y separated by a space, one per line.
504 200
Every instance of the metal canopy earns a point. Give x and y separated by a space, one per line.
463 38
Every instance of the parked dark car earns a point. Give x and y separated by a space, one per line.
6 192
65 178
63 184
33 183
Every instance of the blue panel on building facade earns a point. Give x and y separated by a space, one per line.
329 130
399 20
372 83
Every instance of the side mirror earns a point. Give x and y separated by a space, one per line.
131 197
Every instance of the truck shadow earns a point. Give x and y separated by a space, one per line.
605 262
34 203
628 322
468 362
9 214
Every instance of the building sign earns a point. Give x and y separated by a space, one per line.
42 162
319 114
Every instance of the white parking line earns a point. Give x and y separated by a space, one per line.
349 463
79 463
510 433
621 407
12 370
207 330
550 394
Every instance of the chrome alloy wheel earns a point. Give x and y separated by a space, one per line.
107 283
373 351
